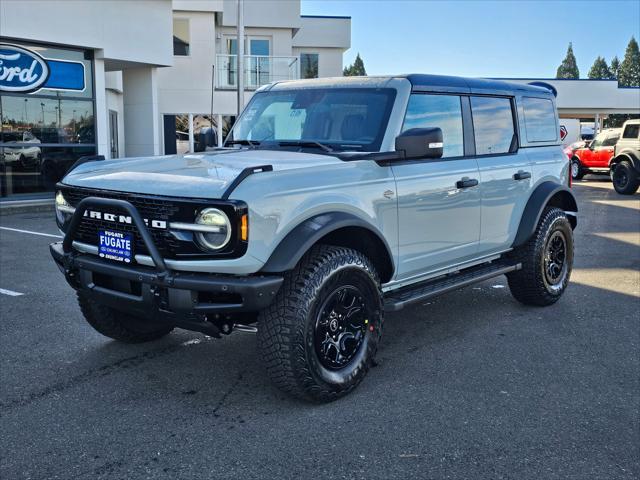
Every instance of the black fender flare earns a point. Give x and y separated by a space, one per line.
539 199
626 155
299 240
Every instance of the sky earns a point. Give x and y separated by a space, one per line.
503 39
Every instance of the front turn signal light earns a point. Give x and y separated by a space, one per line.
244 228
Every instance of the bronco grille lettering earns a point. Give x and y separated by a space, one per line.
124 219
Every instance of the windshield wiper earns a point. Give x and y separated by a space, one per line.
305 143
244 141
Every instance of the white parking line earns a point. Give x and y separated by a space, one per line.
11 293
29 231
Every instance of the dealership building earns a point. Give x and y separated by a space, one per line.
130 78
133 78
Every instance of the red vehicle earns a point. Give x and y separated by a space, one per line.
596 156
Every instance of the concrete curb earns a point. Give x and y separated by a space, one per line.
26 206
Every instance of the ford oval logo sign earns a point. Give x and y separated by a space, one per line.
21 70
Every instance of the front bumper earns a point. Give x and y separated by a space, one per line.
189 300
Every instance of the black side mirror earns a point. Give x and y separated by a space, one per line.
420 143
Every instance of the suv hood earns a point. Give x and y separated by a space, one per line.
205 175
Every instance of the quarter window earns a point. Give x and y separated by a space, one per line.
493 125
540 119
631 131
181 37
438 111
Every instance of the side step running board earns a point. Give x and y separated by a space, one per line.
398 299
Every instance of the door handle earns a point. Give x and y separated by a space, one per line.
521 175
466 182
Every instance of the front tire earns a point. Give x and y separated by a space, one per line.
547 261
577 172
625 178
319 337
118 325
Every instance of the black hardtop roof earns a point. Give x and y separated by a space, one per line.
446 83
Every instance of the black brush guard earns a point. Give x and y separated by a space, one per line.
195 301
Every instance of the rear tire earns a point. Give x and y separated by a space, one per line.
547 261
577 172
625 178
319 337
118 325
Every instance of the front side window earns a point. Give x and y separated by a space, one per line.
631 131
181 37
540 119
599 140
493 125
438 111
309 65
341 118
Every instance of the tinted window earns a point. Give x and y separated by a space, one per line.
631 131
441 111
540 119
492 124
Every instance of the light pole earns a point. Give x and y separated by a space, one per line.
240 56
42 107
26 119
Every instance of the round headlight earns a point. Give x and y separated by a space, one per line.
62 207
216 229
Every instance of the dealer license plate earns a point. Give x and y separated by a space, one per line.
116 246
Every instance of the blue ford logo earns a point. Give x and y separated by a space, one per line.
21 70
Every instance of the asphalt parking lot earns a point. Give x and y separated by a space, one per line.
470 385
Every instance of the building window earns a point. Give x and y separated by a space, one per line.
181 37
43 133
438 111
493 125
309 65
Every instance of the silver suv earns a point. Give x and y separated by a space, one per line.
625 164
333 202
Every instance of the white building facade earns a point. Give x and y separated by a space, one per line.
140 77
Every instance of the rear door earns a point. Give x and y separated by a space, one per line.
438 199
505 171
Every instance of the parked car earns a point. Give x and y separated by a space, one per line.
625 166
333 202
25 155
596 155
569 150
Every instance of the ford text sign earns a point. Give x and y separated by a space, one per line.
21 70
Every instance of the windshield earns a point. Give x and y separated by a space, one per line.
337 118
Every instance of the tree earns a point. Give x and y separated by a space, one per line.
600 70
356 68
629 72
569 67
614 67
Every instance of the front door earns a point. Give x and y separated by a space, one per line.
438 199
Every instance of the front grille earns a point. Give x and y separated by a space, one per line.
149 208
172 245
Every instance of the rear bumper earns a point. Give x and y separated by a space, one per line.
185 299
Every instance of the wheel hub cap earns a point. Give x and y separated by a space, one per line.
341 327
555 258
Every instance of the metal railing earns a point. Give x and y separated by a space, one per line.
258 70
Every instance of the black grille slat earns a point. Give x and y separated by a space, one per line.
150 208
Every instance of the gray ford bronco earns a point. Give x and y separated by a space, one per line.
333 202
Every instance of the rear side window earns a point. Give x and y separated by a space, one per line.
438 111
493 125
540 119
631 131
